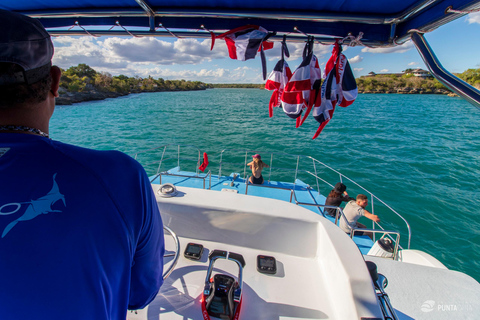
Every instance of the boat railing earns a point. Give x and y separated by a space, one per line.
164 152
316 165
339 213
204 177
165 156
385 233
372 203
322 212
175 254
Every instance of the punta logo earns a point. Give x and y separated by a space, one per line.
429 306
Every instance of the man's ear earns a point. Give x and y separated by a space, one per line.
56 74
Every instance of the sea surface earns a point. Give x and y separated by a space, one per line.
420 154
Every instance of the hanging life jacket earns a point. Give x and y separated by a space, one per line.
244 42
339 88
302 92
278 79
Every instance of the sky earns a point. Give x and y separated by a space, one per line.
455 44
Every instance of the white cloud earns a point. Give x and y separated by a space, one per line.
149 49
170 59
357 69
384 70
413 63
120 54
355 59
71 51
474 17
397 49
241 72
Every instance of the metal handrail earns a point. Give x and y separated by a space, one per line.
208 174
385 232
167 272
386 205
159 173
372 196
313 205
315 175
297 170
341 214
292 196
388 233
178 155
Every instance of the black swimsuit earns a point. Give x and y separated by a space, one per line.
258 180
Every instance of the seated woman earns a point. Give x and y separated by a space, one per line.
336 197
256 165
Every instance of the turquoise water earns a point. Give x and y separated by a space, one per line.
418 153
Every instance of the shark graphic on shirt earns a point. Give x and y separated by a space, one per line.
42 205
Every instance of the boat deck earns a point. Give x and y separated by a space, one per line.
298 192
315 261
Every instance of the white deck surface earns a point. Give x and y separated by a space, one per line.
311 274
422 292
321 272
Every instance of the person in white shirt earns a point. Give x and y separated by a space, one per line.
353 211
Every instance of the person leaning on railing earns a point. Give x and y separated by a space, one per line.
336 197
353 211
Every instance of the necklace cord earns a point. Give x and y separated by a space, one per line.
24 129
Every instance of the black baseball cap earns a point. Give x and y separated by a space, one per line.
340 187
25 42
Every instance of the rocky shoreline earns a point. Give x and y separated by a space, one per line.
69 98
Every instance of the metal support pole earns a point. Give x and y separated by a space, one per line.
460 87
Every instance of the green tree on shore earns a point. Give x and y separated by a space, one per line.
83 78
408 81
471 76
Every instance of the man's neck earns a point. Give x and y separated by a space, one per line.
36 117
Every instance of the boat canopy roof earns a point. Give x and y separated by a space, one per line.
373 23
379 23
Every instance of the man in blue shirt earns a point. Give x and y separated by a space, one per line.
81 236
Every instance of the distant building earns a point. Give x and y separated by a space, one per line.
421 73
416 72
